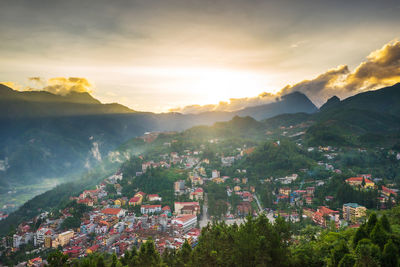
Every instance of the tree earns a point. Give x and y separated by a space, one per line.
114 260
348 260
184 253
359 235
57 258
148 255
338 252
389 255
100 262
372 220
378 235
385 223
110 189
367 254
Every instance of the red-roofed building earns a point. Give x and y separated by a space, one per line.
114 212
185 222
135 201
357 181
323 214
388 192
92 249
197 194
35 262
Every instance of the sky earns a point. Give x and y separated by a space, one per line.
188 56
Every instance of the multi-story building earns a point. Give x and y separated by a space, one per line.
353 211
185 222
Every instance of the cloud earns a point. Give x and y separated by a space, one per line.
231 105
321 87
58 85
63 86
381 68
12 85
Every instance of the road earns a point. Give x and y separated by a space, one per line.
204 219
270 215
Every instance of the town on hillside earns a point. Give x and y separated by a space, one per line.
171 192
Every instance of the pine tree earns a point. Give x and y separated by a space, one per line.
385 223
100 262
347 261
372 220
389 255
378 235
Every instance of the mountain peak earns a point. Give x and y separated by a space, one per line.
334 100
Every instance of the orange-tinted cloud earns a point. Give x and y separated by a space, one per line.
231 105
63 86
381 68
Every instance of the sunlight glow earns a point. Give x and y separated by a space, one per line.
208 85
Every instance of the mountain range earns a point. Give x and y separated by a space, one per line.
45 135
342 123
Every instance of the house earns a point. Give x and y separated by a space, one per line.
358 181
89 193
388 192
114 212
135 201
117 202
148 209
236 188
92 249
310 190
244 208
323 213
247 196
86 201
185 222
353 211
284 191
218 180
197 194
35 262
187 208
215 174
63 239
154 197
166 210
179 187
140 194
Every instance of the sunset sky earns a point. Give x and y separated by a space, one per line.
160 55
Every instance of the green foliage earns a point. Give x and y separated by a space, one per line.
57 259
272 159
390 254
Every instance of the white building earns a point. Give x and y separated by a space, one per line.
186 222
